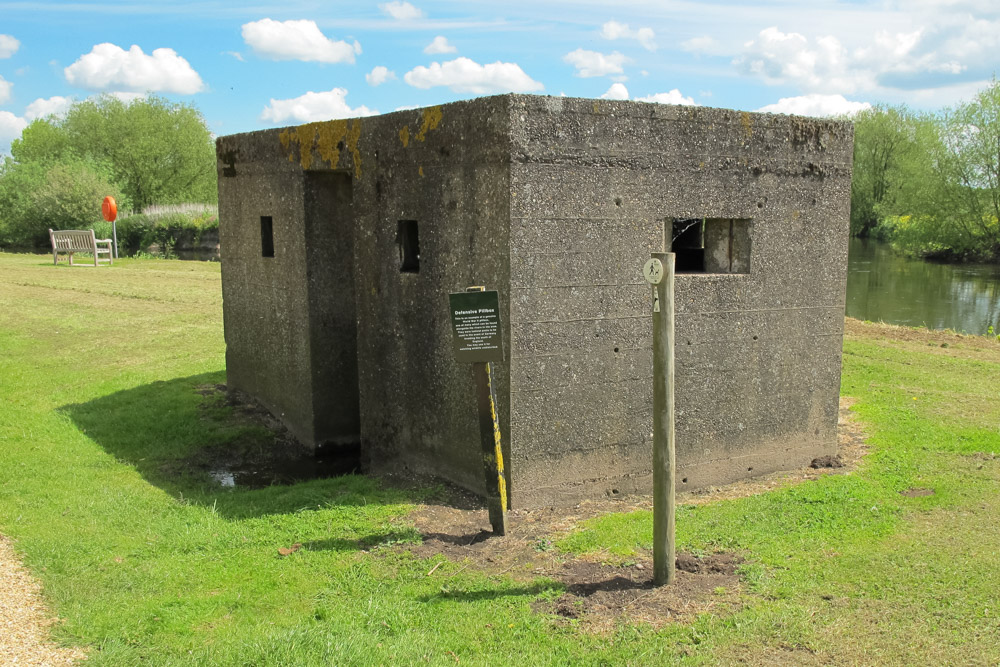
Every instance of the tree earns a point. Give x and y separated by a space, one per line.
884 140
70 196
35 197
947 200
158 152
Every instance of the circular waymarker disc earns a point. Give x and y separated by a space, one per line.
110 209
653 271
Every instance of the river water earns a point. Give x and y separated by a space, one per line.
884 286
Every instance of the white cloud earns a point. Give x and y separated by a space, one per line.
816 105
5 88
931 54
379 75
296 40
11 127
466 76
705 44
234 54
592 63
312 107
110 68
440 45
779 57
42 108
615 30
617 91
672 97
8 46
401 11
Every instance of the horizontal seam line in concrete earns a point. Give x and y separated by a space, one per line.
587 319
582 385
756 310
595 285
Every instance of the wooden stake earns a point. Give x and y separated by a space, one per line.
663 424
489 435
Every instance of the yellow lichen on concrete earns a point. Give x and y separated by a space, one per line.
285 138
420 170
329 138
404 136
353 138
746 123
432 117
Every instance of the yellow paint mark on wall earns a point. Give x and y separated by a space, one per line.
329 138
404 135
432 117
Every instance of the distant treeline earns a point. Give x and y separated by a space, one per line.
144 152
929 183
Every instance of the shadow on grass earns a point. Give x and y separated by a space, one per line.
472 596
184 437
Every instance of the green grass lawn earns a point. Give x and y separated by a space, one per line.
101 371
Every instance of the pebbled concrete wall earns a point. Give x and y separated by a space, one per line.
595 188
445 168
282 314
265 306
556 203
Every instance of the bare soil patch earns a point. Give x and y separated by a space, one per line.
599 593
917 493
275 457
946 341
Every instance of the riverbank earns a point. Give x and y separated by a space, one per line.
109 388
885 286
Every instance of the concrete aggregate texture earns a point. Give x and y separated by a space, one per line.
556 203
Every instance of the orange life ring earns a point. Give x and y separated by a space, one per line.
110 209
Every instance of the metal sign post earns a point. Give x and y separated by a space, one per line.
475 321
659 272
109 208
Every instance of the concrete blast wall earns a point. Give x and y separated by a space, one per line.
556 203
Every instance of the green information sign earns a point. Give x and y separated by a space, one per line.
475 323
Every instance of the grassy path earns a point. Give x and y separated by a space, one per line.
101 388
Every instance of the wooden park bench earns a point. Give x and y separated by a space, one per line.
74 240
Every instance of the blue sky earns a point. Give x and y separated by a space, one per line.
252 65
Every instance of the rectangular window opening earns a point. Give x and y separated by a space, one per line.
408 241
711 245
266 236
687 242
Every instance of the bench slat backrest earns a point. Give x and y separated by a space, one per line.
73 240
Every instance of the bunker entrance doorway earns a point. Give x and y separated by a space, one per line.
329 229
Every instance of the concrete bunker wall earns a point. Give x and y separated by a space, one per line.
287 285
442 172
556 203
596 186
344 332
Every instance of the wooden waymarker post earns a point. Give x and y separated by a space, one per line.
659 272
475 322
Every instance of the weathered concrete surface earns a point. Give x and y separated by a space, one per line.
556 203
595 184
